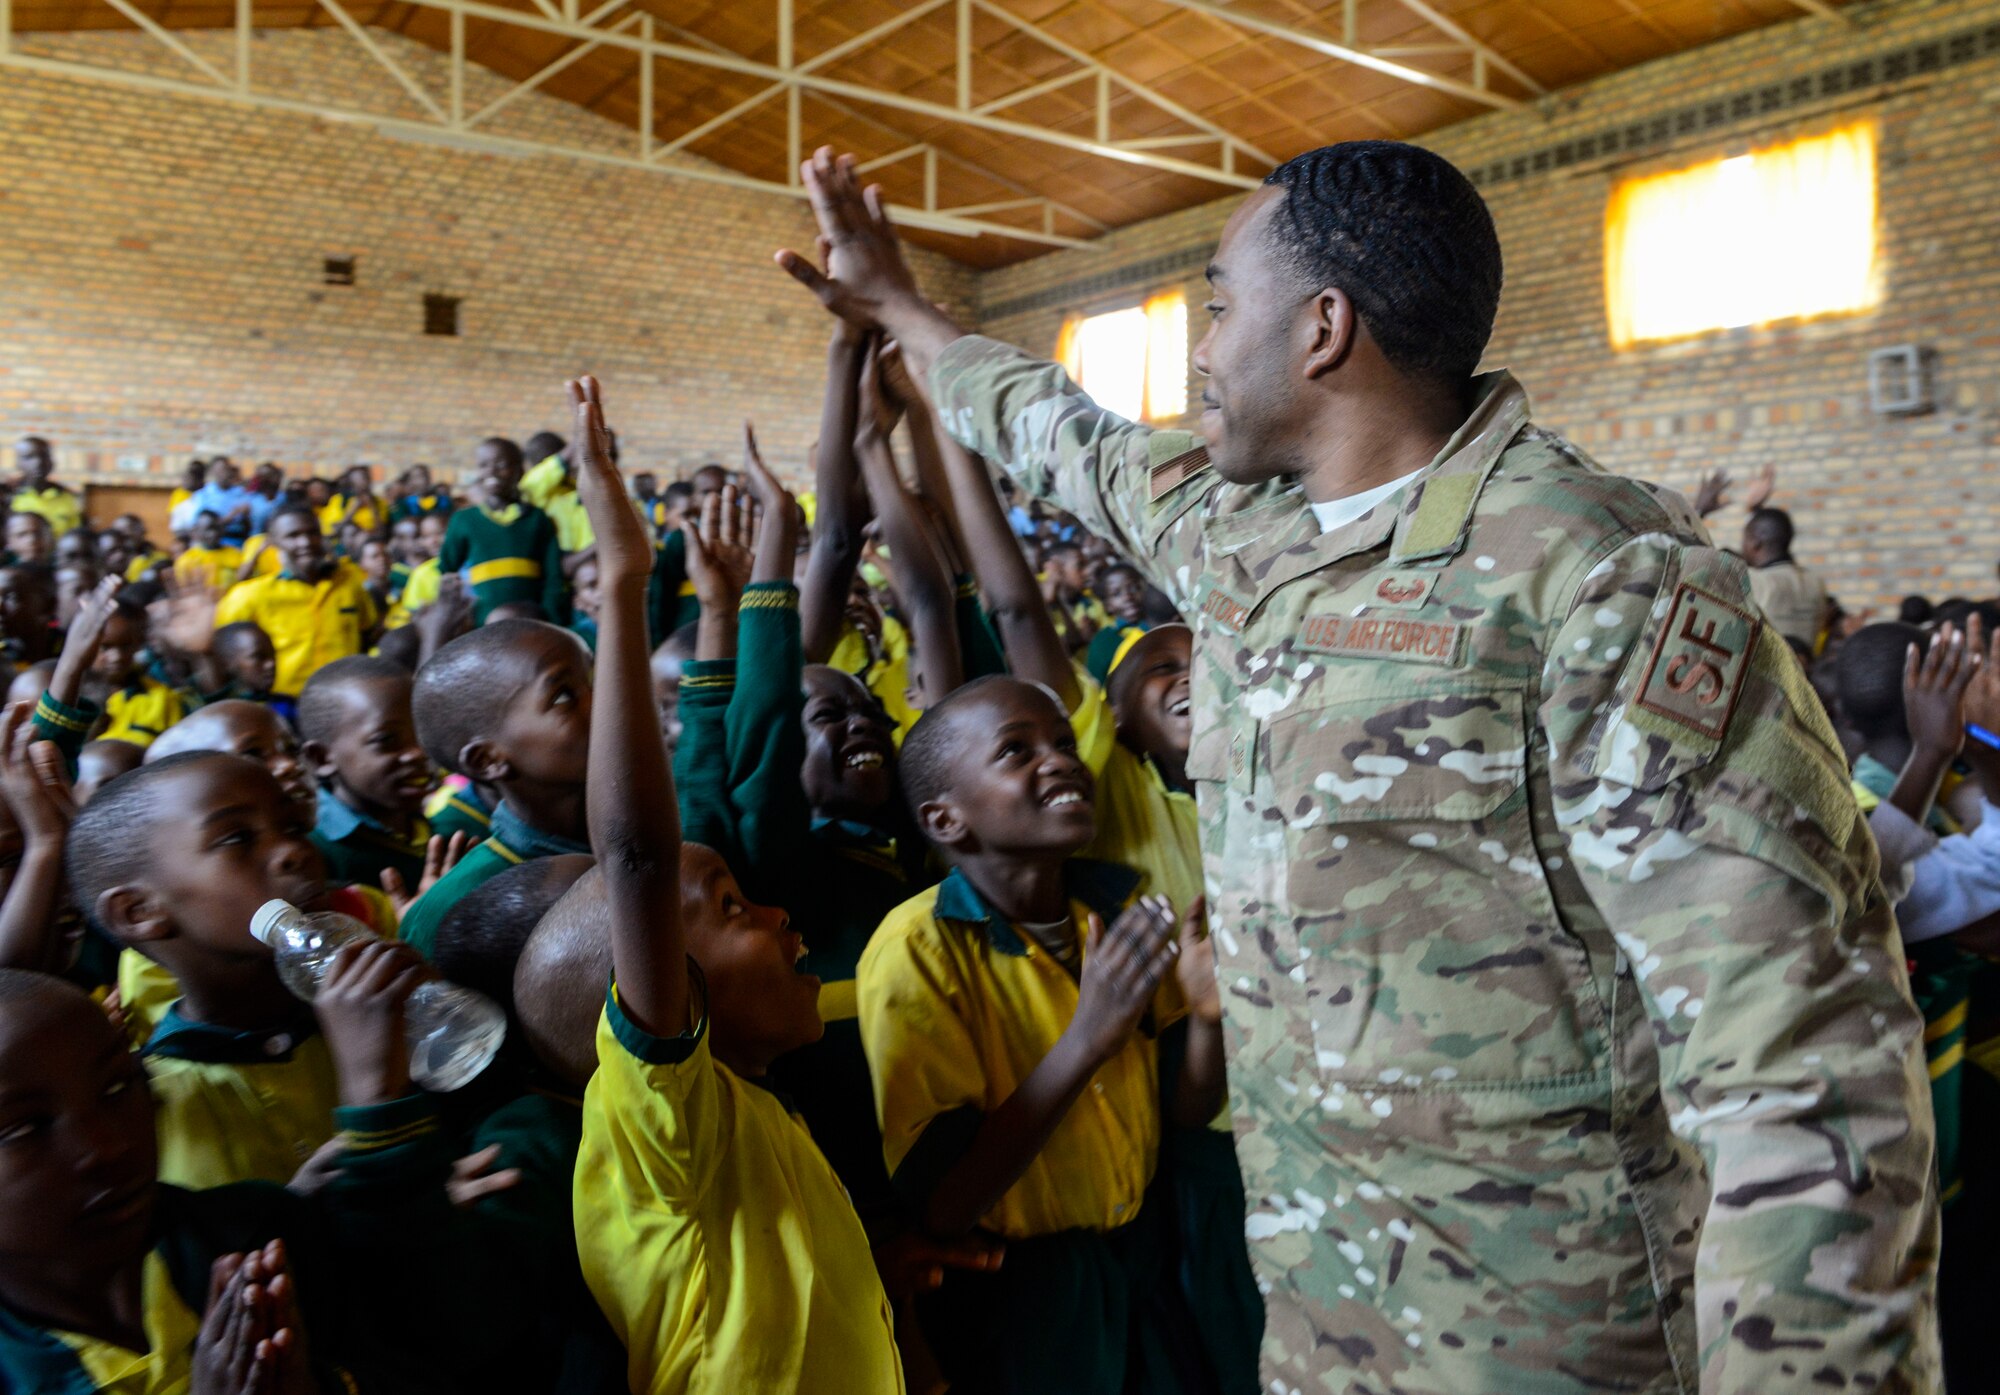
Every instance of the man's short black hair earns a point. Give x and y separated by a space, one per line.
480 938
1409 240
297 510
1869 677
1915 610
679 489
110 843
320 711
464 688
1772 528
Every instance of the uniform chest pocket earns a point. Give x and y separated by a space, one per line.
1426 930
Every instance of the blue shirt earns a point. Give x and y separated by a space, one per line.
219 500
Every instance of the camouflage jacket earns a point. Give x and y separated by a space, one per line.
1571 1044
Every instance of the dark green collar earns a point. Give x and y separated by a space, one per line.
1104 887
184 1040
524 840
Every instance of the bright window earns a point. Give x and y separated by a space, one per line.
1781 234
1132 362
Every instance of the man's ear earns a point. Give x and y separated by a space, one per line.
318 759
1333 328
485 762
941 823
132 916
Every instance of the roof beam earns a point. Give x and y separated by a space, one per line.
1824 10
1350 53
1471 45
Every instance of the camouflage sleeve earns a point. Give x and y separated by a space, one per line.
1128 483
1702 801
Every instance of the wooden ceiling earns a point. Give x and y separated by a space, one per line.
1269 92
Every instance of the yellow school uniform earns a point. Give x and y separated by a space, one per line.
573 530
311 623
177 498
238 1106
61 507
208 566
1141 823
269 561
420 588
957 1008
713 1233
171 1329
139 567
335 513
140 713
889 680
543 480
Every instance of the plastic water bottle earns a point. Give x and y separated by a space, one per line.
453 1032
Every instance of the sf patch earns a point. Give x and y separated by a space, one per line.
1700 659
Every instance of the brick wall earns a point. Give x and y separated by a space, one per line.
161 279
1886 505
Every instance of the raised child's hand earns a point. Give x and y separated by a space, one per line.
80 645
1122 969
440 856
864 261
360 1010
719 556
190 623
41 805
1934 684
1982 709
1195 964
778 530
623 551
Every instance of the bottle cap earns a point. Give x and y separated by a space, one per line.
264 924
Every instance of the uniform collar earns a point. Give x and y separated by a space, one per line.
1275 537
524 840
338 820
185 1040
1104 887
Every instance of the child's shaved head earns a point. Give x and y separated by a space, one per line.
240 728
465 693
560 980
322 708
994 768
482 936
101 762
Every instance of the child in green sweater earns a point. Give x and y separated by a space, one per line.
506 548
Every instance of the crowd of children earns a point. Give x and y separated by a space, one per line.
833 858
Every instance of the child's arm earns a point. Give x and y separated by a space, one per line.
634 825
933 489
843 505
719 563
40 802
923 583
1202 1083
1034 650
1122 969
1934 684
63 716
190 631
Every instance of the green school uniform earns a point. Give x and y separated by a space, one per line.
459 809
513 842
357 848
395 1286
508 555
539 1133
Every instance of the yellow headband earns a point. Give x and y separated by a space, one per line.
1125 646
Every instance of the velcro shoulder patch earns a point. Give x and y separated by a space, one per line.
1699 661
1175 457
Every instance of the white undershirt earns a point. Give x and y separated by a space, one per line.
1338 513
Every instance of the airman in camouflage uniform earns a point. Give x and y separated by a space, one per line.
1571 1048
